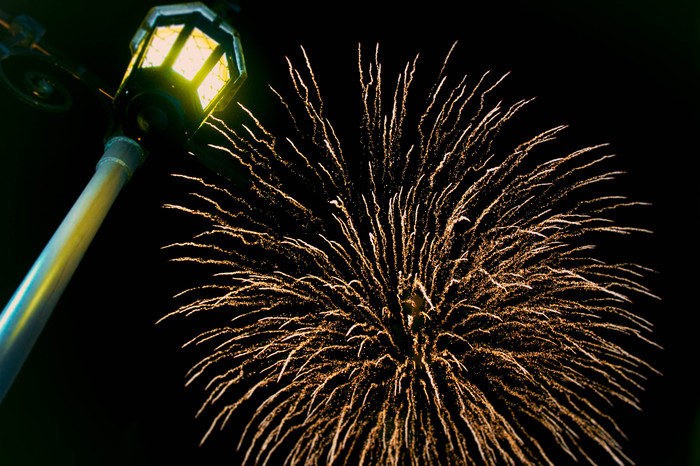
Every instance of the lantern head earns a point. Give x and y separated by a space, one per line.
186 62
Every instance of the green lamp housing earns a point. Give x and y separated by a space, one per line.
186 63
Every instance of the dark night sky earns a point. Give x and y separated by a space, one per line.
104 385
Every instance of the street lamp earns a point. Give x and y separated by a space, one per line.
186 63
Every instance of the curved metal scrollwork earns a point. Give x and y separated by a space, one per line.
37 80
39 77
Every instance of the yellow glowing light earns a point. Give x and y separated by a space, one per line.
194 54
213 82
161 42
132 63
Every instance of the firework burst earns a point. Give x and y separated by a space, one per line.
423 296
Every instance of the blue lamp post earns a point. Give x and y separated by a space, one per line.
186 63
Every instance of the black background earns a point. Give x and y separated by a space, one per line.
105 385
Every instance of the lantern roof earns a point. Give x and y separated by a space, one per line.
177 11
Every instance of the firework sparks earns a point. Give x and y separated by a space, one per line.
430 298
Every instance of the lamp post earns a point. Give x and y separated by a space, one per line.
186 63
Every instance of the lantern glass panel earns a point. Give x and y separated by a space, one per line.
214 82
161 42
194 54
